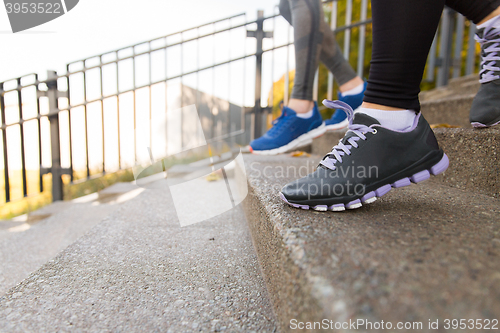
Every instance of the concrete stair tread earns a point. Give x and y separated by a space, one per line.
450 104
28 242
139 271
460 81
421 252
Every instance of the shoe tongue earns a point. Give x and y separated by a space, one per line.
288 112
364 119
360 118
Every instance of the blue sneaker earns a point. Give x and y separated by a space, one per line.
289 132
339 118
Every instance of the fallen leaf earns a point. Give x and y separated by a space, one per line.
299 153
444 125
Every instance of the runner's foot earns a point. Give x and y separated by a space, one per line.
367 163
289 132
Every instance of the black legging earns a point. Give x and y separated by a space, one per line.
403 31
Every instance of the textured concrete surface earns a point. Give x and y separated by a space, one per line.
451 110
474 159
458 86
422 252
450 104
28 243
139 271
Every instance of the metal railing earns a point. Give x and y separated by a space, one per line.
97 97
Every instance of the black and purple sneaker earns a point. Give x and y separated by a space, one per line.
485 110
367 163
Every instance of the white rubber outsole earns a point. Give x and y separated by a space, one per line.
343 124
302 140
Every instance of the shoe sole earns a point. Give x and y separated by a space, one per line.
480 125
302 140
372 196
343 124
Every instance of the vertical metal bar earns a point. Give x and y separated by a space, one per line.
316 84
21 132
259 34
471 50
444 48
85 119
166 99
431 65
182 90
347 33
134 101
69 129
40 132
271 100
118 111
333 26
212 116
287 72
362 35
198 72
150 102
57 184
269 114
244 115
459 42
102 116
4 141
229 84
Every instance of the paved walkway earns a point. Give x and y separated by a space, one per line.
139 271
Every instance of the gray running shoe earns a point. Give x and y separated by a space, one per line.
485 110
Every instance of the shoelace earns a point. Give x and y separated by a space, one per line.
490 69
345 149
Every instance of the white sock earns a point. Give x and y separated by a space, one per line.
485 24
394 120
305 115
354 91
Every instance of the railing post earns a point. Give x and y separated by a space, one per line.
52 94
4 146
259 34
445 47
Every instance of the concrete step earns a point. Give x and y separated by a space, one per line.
450 104
139 271
459 82
452 110
474 157
422 252
28 242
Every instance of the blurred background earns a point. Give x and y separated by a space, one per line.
83 98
